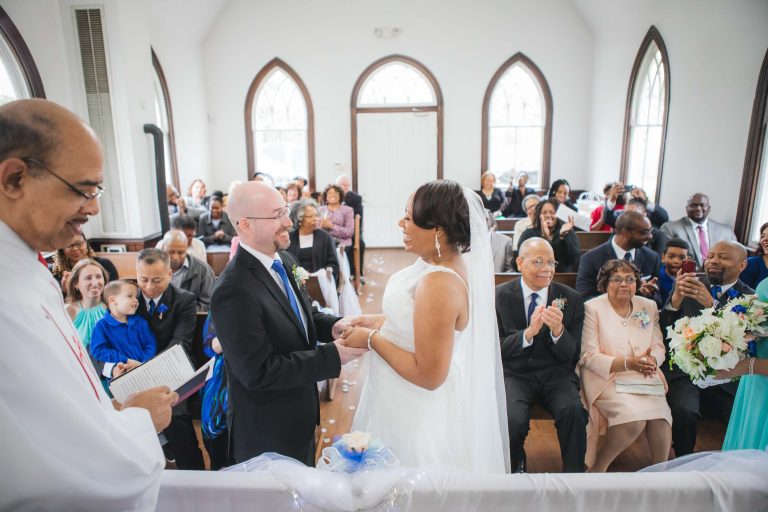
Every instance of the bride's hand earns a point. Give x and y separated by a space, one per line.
367 321
356 337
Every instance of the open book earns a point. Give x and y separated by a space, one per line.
171 368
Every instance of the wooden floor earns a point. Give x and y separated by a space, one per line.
541 446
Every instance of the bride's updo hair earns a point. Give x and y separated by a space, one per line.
442 203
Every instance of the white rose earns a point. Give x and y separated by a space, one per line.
357 441
709 346
726 362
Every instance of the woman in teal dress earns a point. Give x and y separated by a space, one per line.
85 305
748 426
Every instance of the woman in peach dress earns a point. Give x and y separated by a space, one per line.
623 387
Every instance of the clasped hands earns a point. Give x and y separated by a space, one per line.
551 316
644 363
351 335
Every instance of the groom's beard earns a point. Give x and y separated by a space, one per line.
282 241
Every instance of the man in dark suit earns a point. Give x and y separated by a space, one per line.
268 332
659 238
171 314
633 230
540 325
354 201
189 273
723 264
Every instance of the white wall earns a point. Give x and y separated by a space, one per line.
715 50
330 43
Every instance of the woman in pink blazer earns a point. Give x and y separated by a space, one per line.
622 385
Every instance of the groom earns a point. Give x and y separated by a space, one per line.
268 332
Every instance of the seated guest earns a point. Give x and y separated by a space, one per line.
633 230
672 258
529 203
492 197
304 191
283 192
189 273
121 336
337 218
656 214
354 201
614 194
757 265
540 324
561 190
178 206
313 247
258 176
502 247
195 246
724 263
622 346
84 303
196 195
697 229
513 201
292 192
658 239
65 259
560 235
214 227
171 314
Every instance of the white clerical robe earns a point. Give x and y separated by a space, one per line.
63 445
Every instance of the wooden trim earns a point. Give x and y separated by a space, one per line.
653 35
131 244
546 146
23 56
354 110
171 133
750 178
249 98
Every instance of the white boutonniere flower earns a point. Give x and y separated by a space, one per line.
643 318
300 275
560 303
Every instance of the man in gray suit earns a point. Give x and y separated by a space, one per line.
697 229
189 273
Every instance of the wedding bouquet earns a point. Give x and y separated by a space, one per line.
357 451
754 311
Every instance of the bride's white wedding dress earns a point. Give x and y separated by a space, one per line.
462 423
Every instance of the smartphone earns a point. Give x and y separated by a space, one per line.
689 267
629 188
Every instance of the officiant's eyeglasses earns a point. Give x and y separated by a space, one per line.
87 196
282 215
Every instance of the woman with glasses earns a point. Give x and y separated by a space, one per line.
65 259
313 247
560 235
621 351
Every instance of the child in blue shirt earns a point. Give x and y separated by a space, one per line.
675 252
121 336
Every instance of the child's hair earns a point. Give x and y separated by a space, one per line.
114 288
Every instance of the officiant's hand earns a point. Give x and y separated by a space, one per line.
367 321
347 353
158 401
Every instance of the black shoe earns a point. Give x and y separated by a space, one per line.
522 466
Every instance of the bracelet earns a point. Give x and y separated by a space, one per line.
370 335
626 369
751 365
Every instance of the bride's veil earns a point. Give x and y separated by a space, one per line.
480 357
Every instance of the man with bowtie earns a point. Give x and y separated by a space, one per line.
723 264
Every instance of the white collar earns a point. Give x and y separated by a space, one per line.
696 225
156 299
528 291
621 252
265 259
184 266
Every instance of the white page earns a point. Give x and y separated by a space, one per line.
580 221
169 368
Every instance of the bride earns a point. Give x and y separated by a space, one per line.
435 390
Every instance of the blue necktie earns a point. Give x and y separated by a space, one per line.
716 291
152 307
532 306
278 267
628 256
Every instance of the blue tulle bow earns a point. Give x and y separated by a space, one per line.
340 458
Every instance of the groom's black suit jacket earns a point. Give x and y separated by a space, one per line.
272 366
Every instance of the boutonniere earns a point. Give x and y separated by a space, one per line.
732 294
560 303
161 309
300 275
643 318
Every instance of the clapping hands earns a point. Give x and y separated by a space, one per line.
551 316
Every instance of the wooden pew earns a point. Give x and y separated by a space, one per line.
125 262
313 290
218 261
507 224
590 239
566 278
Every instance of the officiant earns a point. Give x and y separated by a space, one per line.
65 445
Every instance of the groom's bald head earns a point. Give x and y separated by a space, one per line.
252 208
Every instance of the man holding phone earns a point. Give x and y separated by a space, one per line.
694 292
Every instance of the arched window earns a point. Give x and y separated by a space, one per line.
164 121
19 77
517 123
279 125
645 121
753 199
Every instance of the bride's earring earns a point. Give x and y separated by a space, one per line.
437 246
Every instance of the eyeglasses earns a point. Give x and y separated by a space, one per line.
539 262
87 196
618 280
282 215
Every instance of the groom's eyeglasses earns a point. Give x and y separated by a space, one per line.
281 215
